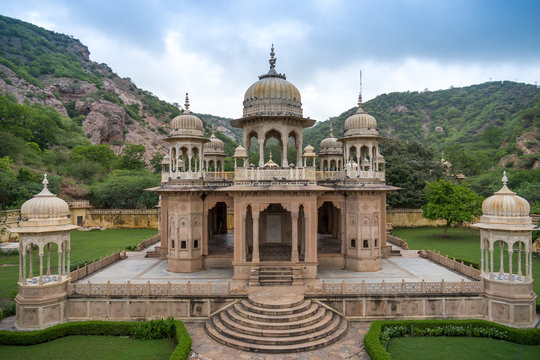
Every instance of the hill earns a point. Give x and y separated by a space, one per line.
62 113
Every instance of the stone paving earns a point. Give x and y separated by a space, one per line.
350 346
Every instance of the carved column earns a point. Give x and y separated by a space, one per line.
261 152
255 216
294 235
284 162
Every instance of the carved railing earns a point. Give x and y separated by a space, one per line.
146 243
262 174
342 175
123 211
219 175
402 288
78 203
88 269
398 241
151 289
453 264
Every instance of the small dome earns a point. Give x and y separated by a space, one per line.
166 160
360 123
506 207
214 146
44 209
240 152
272 94
271 162
380 159
187 124
331 145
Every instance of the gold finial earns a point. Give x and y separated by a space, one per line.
45 182
272 60
360 94
504 179
186 104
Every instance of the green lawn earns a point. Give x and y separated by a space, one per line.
85 246
79 347
463 244
459 348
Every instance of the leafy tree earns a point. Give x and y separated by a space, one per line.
124 189
155 162
132 157
451 202
102 154
409 166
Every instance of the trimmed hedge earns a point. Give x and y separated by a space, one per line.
106 328
381 331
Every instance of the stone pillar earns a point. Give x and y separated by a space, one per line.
59 262
261 152
294 235
189 161
239 237
244 240
68 258
31 246
510 253
49 259
491 260
255 216
482 257
40 267
284 162
23 250
21 263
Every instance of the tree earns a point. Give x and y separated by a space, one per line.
451 202
132 157
102 154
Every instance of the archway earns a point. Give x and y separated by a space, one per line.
328 229
219 240
275 234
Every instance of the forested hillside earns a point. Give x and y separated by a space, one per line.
98 135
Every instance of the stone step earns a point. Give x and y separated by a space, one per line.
274 340
275 283
276 318
310 320
275 276
278 347
249 306
262 329
299 300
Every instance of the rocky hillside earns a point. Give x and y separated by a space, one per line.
44 67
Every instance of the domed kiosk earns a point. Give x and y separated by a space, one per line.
214 154
273 110
506 261
331 154
44 224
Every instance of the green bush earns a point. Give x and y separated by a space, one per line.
155 329
381 332
168 329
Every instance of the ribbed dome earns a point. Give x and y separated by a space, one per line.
331 145
505 207
360 123
309 149
166 160
240 152
45 209
187 124
215 145
272 94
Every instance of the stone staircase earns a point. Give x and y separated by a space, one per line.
152 254
276 324
275 276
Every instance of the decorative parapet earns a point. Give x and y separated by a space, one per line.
151 289
88 269
146 243
218 175
123 211
402 288
398 241
453 264
79 204
258 174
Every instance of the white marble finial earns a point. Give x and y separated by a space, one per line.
45 182
504 179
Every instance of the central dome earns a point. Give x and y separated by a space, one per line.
272 95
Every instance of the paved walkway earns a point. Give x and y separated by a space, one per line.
8 323
350 347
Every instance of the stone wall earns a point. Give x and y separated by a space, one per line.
410 218
8 219
122 218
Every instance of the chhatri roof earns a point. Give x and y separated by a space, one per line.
187 124
44 212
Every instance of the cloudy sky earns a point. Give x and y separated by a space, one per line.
216 49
